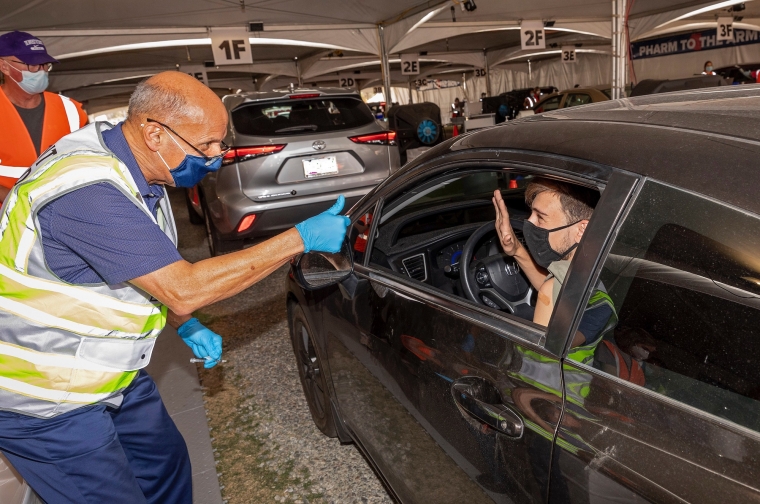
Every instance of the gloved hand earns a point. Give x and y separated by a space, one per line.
204 342
325 232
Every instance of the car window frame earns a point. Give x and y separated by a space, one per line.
599 262
527 332
567 100
617 200
560 104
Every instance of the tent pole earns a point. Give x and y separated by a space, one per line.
488 73
619 49
386 68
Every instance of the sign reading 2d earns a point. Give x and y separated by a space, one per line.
532 35
230 46
691 42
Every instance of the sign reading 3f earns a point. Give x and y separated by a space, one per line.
532 35
231 46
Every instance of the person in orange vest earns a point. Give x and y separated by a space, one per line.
32 119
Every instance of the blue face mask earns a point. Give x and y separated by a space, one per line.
192 169
33 82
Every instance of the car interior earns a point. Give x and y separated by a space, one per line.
428 233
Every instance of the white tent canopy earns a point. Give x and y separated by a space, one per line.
106 48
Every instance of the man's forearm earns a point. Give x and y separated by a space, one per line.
4 192
536 275
185 287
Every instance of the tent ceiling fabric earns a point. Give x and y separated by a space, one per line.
97 40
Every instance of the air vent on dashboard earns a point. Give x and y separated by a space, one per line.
415 267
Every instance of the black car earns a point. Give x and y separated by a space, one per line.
416 343
507 105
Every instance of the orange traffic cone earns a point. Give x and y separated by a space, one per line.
456 131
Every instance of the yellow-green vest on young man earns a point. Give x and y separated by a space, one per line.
64 346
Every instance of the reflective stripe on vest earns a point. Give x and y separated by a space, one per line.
64 346
585 353
72 114
17 152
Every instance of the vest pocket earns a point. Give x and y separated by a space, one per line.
121 354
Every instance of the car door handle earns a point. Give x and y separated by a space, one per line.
499 417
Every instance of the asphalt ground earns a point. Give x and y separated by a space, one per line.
266 447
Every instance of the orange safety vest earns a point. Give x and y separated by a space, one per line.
62 116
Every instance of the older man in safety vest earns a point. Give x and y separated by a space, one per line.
89 276
32 119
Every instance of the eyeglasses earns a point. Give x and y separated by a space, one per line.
34 68
209 159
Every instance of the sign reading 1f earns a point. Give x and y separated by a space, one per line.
238 46
230 46
532 35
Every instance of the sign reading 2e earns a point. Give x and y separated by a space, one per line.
410 64
231 46
532 35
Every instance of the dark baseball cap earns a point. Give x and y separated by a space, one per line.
26 47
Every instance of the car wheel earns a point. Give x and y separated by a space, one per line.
191 211
310 371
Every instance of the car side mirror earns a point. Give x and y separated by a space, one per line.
321 269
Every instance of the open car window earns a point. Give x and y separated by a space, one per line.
422 232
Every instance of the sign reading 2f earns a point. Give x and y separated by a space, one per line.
230 46
532 35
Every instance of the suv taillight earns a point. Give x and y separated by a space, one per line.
383 138
239 154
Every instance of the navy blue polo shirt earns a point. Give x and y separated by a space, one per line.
96 234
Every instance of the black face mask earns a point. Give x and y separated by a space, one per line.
537 240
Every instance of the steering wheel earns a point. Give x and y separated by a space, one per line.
496 280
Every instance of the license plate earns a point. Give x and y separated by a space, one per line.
320 167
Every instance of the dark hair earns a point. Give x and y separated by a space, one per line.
577 202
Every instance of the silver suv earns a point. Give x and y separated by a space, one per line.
293 152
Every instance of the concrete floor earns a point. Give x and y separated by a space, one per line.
177 381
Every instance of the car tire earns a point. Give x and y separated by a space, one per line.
310 370
191 212
216 244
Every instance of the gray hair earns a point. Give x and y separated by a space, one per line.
160 102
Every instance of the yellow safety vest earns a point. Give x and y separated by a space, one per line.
64 346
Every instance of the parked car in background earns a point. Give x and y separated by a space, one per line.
293 152
416 342
746 73
507 105
569 98
654 86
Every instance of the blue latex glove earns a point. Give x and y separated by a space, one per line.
204 342
325 232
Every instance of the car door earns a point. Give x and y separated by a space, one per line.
454 402
671 405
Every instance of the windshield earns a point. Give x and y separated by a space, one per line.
297 117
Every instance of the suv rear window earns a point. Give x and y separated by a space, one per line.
302 116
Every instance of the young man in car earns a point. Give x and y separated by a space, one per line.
559 215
